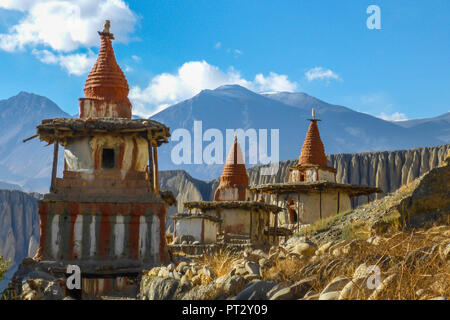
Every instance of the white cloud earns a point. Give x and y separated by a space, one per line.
136 58
396 116
320 73
60 28
218 45
274 82
378 104
166 89
65 25
76 64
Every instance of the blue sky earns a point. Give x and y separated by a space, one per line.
170 50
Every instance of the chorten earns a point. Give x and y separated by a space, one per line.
312 162
240 220
234 180
106 88
312 192
106 212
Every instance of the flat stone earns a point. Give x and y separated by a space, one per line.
336 284
305 249
252 268
355 289
296 291
324 248
160 289
256 291
332 295
360 272
250 277
234 284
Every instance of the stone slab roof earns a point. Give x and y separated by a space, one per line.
195 216
58 128
204 205
280 188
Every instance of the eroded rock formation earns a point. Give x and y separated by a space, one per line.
19 227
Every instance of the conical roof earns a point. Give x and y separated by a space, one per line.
234 172
313 151
106 81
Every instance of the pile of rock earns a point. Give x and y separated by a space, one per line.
249 274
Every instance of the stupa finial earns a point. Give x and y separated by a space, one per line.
106 26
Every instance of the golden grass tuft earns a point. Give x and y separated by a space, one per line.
220 263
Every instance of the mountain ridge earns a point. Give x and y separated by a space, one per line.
342 129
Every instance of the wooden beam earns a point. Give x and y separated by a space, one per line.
155 180
30 138
298 212
150 164
55 165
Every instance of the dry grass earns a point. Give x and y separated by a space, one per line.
323 225
413 257
220 263
356 230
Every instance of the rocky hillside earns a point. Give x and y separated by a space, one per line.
19 227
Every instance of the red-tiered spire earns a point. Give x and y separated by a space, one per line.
234 173
106 81
313 151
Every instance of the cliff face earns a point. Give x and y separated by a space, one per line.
184 188
387 170
19 223
19 227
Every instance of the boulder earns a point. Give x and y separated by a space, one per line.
296 291
256 291
331 295
355 289
264 263
42 289
181 265
232 285
274 290
429 202
202 292
310 293
444 250
159 289
251 277
385 284
312 297
305 249
360 272
252 268
336 284
323 249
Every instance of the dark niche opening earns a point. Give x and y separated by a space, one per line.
108 159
